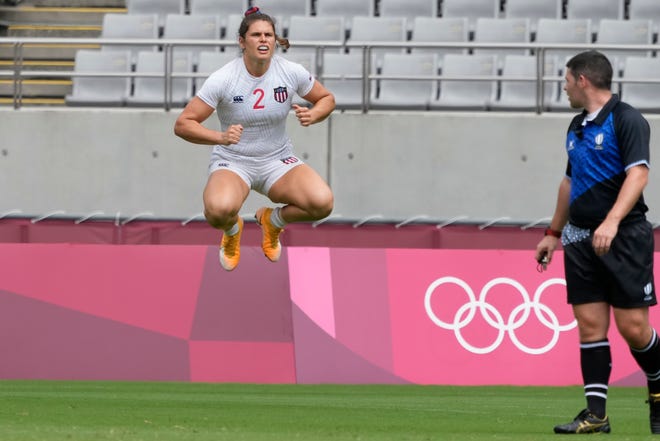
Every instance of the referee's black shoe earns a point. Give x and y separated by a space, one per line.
654 412
585 422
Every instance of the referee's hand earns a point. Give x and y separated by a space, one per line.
603 237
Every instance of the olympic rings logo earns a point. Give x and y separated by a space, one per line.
493 317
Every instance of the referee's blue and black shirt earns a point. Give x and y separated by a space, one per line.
599 154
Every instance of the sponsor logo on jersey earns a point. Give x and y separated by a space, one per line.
222 164
280 94
289 160
238 99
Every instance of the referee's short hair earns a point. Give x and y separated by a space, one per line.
594 66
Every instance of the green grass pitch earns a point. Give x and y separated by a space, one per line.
132 411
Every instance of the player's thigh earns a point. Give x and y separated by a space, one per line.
301 186
225 192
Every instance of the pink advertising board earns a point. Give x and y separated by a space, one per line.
460 317
320 315
475 317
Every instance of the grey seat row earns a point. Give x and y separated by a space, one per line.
146 90
473 9
389 29
461 87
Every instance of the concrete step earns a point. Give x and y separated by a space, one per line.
79 3
47 31
35 101
39 65
55 15
44 19
67 3
46 51
37 88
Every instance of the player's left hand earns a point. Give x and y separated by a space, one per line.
304 115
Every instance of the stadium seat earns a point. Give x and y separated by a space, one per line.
645 10
501 30
472 9
285 9
644 96
562 31
221 8
406 94
192 27
533 10
150 91
347 88
209 62
624 32
440 29
306 59
595 10
99 90
160 7
459 94
522 95
408 9
127 26
231 29
346 9
379 30
218 7
303 28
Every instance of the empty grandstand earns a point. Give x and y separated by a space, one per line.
41 37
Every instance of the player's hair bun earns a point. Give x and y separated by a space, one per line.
252 10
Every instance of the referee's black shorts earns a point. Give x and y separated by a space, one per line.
623 277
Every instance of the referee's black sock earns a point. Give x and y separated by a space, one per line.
648 358
596 363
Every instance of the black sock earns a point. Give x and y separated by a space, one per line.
596 363
648 358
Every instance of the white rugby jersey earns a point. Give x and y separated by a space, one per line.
259 104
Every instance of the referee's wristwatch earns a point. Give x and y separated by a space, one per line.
551 232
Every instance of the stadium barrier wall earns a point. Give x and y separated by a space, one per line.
321 315
397 165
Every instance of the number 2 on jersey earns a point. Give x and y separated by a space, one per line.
260 97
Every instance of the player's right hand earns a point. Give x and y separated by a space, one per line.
233 134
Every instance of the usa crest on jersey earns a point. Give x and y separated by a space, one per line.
280 94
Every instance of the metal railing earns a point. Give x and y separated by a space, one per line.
18 74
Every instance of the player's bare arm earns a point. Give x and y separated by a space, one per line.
323 103
189 126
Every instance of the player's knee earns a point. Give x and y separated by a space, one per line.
322 206
218 213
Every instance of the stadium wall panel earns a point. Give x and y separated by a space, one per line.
395 165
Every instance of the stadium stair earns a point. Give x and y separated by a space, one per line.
44 19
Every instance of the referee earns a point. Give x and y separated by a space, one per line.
608 243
